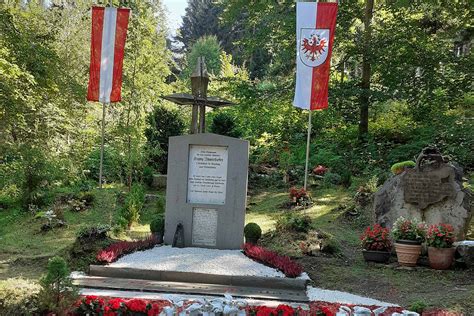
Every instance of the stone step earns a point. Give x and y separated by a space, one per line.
112 283
192 277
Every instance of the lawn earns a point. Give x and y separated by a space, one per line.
347 271
24 249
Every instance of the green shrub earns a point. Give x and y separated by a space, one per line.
57 293
294 222
18 297
330 245
252 231
331 179
223 123
400 166
163 123
148 175
114 165
88 197
157 225
134 203
160 205
95 232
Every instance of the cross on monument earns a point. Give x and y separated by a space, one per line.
199 99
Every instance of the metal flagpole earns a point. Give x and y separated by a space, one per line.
307 152
102 146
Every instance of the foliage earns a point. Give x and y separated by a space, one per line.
440 236
252 231
331 178
114 165
133 205
294 222
209 48
223 123
399 167
97 231
406 229
57 292
418 306
116 250
283 263
376 238
18 297
163 123
157 225
320 170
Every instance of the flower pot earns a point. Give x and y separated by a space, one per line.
440 258
408 252
376 256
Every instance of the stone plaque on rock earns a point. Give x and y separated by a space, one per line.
424 188
206 190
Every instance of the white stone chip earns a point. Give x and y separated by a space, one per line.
197 260
317 294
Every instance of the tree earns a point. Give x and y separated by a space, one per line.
209 48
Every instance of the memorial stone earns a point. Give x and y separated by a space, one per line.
206 190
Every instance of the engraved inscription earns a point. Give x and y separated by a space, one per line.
204 231
207 174
423 188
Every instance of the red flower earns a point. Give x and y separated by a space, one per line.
116 303
136 305
155 310
284 310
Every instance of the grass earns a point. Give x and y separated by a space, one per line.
347 271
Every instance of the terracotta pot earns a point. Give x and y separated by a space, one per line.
440 258
376 256
407 253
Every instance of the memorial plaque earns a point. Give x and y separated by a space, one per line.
424 188
204 227
207 174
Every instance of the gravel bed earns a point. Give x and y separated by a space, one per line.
317 294
198 260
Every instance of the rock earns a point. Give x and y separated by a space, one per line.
465 252
431 192
159 181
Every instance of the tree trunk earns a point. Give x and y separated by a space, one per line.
366 70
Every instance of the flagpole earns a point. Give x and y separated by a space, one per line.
102 146
308 141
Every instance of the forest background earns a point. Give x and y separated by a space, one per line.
401 80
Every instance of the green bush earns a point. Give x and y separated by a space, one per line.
157 225
114 165
134 203
160 205
18 297
418 306
223 123
294 222
252 231
163 123
57 293
88 197
148 175
331 179
400 166
95 232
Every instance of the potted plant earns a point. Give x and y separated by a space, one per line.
157 227
376 244
252 233
440 239
408 235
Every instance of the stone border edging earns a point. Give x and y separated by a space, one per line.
192 277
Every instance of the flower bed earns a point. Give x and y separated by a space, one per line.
116 250
109 306
283 263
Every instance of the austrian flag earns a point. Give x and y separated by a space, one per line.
109 31
315 26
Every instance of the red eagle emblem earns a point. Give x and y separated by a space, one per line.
313 48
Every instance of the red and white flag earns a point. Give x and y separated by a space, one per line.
315 26
109 31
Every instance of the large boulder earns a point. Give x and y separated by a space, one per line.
432 192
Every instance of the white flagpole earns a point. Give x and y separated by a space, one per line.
308 141
102 146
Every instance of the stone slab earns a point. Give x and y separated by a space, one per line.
207 172
96 282
192 277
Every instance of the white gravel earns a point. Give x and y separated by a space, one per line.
317 294
198 260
